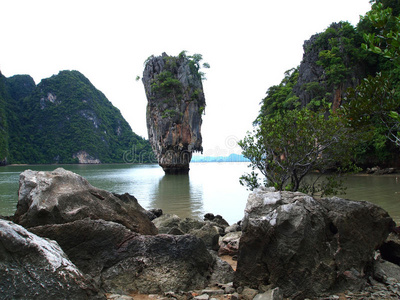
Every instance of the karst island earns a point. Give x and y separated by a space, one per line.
176 103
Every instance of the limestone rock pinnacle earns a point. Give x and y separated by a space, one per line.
175 106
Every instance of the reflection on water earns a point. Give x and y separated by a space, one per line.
209 187
381 190
176 194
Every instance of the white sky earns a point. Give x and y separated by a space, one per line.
248 44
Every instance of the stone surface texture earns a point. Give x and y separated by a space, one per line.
32 267
308 247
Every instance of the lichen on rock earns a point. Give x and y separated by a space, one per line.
176 103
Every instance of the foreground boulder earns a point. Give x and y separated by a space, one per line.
308 247
157 264
92 245
35 268
121 261
62 196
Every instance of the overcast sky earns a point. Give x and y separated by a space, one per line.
248 44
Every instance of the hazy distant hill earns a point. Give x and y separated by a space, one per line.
231 158
64 119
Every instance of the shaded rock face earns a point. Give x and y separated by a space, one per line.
312 80
308 247
62 196
121 261
90 244
208 230
176 102
156 264
390 250
35 268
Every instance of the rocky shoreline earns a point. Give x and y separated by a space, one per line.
70 240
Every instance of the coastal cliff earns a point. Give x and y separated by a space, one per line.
176 103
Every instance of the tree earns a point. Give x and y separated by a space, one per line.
290 145
376 98
372 106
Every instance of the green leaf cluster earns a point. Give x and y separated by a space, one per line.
166 85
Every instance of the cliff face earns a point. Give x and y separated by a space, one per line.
176 102
330 65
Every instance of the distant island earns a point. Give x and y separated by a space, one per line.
231 158
63 120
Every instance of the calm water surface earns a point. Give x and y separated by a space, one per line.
210 187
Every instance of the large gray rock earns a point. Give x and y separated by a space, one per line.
92 245
157 264
35 268
62 196
208 231
307 246
121 261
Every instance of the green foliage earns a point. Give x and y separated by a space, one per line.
251 180
319 95
363 76
66 114
386 40
290 145
201 110
280 97
194 64
166 85
373 105
340 53
171 113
